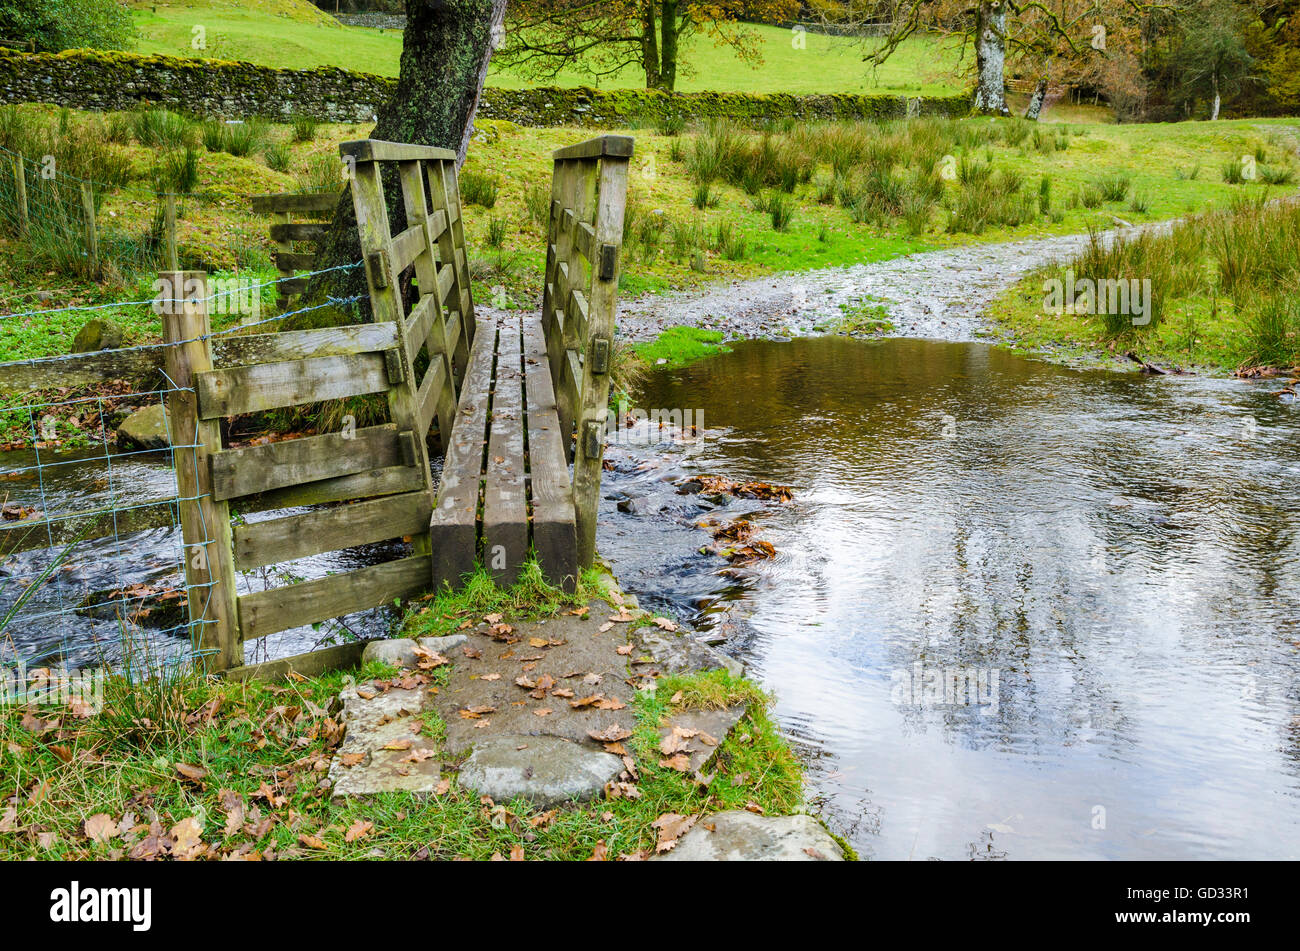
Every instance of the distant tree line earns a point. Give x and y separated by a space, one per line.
1150 59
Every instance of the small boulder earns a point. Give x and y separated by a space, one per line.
400 651
145 429
98 334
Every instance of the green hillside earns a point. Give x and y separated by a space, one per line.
293 33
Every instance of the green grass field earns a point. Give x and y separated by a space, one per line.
292 33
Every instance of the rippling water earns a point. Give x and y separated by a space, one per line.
1108 562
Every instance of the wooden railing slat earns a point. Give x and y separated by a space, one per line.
321 204
261 386
331 529
299 344
256 469
299 231
278 609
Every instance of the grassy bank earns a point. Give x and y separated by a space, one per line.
186 766
1224 294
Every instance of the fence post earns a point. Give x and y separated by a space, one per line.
599 350
92 238
20 192
205 523
169 223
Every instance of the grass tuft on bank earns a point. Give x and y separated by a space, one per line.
1224 292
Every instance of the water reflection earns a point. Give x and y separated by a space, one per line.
1120 550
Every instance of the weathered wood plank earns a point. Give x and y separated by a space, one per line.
427 398
63 530
505 512
446 281
255 469
440 399
444 197
278 609
338 657
299 231
453 525
577 312
295 260
407 245
248 389
554 536
614 146
84 369
321 204
377 150
584 239
359 485
303 344
344 526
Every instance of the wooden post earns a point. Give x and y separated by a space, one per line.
598 348
169 223
205 522
92 238
20 193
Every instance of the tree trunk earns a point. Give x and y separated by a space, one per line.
990 58
1214 78
668 47
1036 100
650 44
446 48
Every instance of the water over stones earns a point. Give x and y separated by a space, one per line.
738 836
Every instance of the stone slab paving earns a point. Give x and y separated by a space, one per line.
697 734
383 749
739 836
545 770
539 710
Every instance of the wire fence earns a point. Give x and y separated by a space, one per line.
93 550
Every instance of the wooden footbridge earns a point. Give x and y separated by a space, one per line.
519 404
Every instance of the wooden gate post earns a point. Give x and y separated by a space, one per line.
205 522
598 348
169 229
20 193
92 236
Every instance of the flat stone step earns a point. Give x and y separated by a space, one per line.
739 836
545 770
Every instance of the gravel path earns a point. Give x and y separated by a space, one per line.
938 295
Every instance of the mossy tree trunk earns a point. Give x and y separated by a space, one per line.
990 58
446 48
